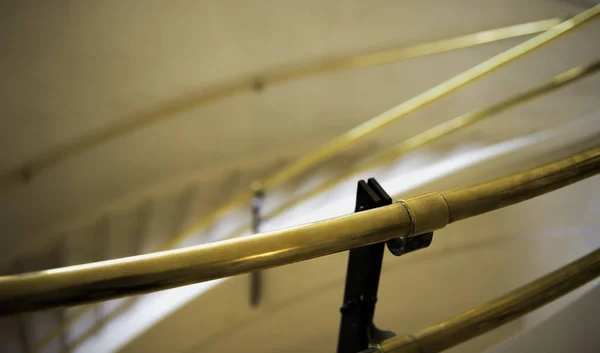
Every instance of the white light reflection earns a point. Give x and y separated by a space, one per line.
146 312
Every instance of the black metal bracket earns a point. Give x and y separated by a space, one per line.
256 276
403 245
357 330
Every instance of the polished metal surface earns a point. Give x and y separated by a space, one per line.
398 112
168 269
226 91
476 200
439 131
34 167
421 139
141 274
361 61
403 109
497 312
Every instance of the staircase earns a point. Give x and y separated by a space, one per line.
126 323
214 316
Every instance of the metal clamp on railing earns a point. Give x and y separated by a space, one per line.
410 242
357 330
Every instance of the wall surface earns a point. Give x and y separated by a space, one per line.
75 70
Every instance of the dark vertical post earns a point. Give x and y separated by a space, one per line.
256 276
362 280
104 243
62 256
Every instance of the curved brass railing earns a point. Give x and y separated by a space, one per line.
169 111
498 312
168 269
438 132
428 136
387 117
400 111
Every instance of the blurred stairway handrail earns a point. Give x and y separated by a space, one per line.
140 274
31 169
498 312
428 136
441 130
366 129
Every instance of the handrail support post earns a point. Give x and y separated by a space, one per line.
357 330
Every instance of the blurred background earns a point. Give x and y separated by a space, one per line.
125 123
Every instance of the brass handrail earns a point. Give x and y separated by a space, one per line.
498 312
398 112
442 130
168 269
411 105
428 136
169 111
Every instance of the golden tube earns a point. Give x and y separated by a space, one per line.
419 50
362 61
476 200
400 111
168 269
421 139
171 110
226 91
442 130
498 312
